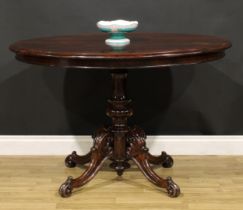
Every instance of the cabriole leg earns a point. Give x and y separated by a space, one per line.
139 154
99 153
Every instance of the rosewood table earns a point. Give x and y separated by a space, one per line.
120 142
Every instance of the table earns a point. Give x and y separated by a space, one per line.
120 142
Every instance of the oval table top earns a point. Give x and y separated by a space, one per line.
147 50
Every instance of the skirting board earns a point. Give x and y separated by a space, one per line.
174 145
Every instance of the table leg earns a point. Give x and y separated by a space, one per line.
138 152
164 159
72 160
99 153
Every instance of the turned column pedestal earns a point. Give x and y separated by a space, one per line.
119 143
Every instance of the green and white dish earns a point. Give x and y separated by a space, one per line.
117 30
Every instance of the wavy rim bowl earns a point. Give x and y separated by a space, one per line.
117 25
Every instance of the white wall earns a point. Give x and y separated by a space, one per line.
175 145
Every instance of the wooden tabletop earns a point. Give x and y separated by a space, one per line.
88 50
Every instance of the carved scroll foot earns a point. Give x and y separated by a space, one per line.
72 160
173 189
66 188
164 159
138 152
168 160
99 153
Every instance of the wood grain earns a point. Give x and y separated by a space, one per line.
147 50
208 183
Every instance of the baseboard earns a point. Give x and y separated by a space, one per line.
175 145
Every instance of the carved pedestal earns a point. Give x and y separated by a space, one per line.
119 143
